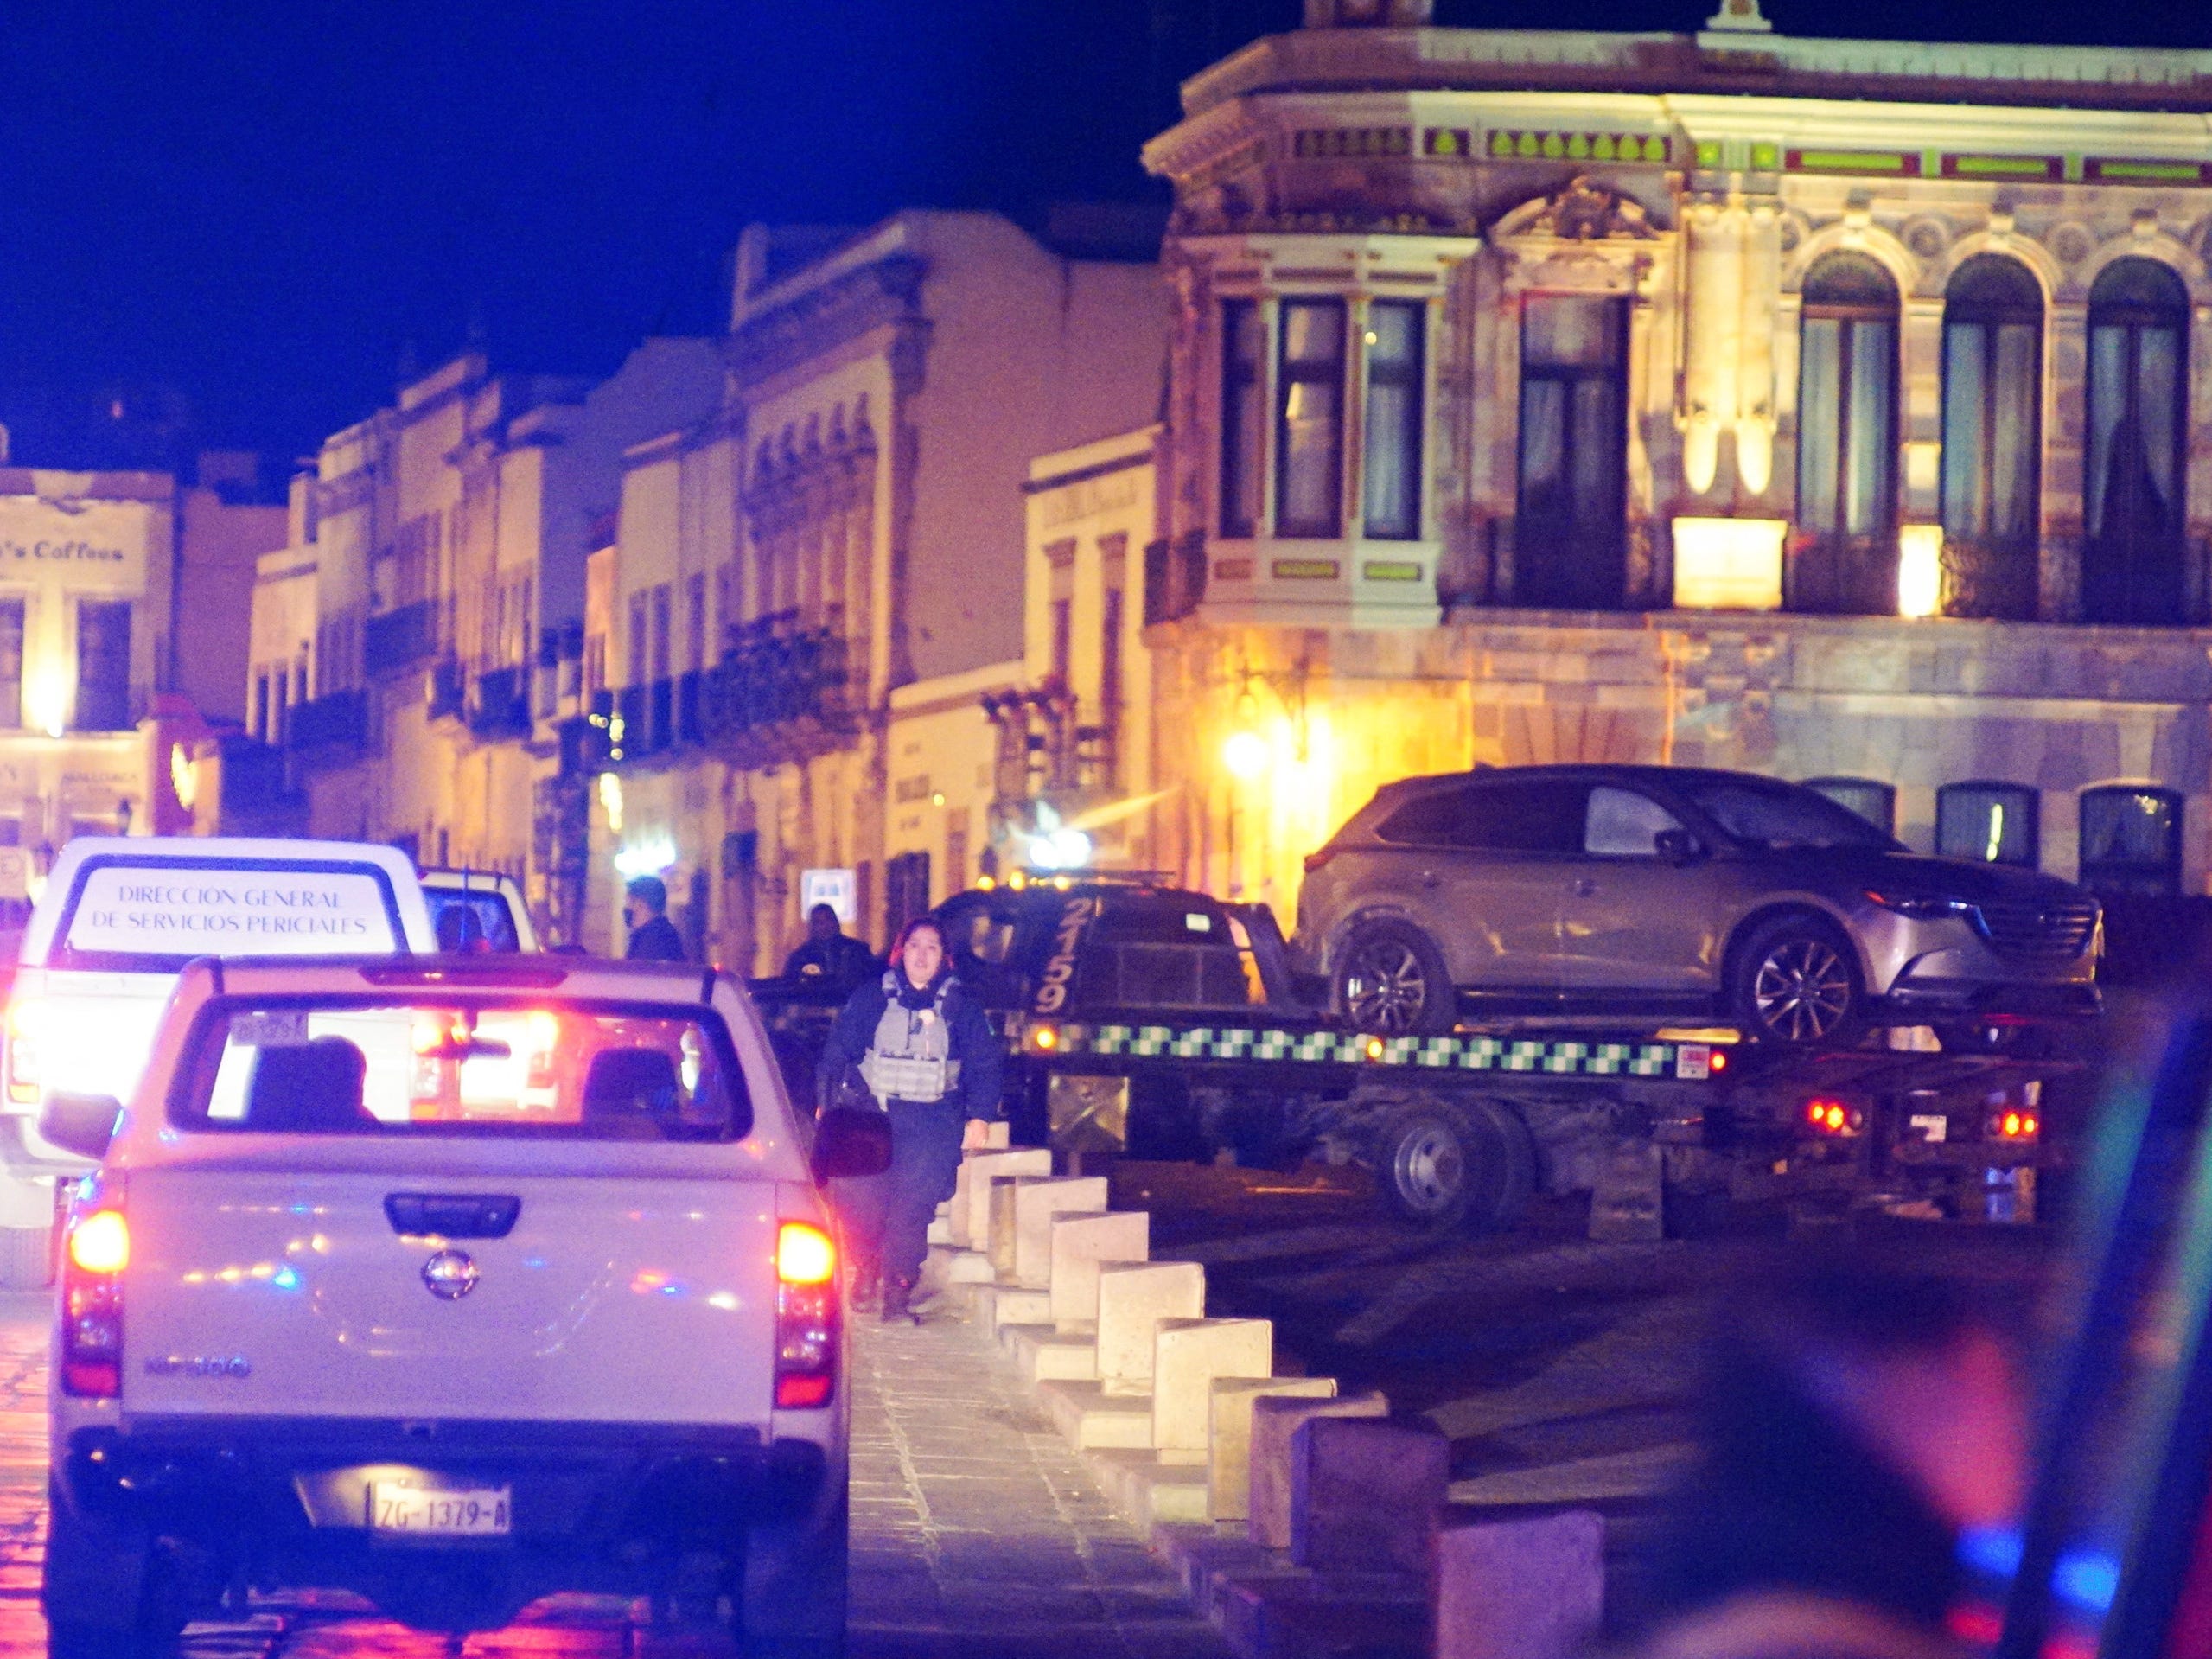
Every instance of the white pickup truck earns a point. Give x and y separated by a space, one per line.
552 1304
120 916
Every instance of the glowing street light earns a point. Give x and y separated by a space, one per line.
1245 754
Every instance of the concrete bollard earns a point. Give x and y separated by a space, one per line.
1036 1204
1228 1447
1532 1589
1273 1422
1366 1496
972 1226
1132 1300
1186 1356
1080 1244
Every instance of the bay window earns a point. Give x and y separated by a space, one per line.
1310 428
1244 430
1392 455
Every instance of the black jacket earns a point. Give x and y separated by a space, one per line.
656 941
974 1044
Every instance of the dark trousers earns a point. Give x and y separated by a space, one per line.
887 1216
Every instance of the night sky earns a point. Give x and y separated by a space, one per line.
237 222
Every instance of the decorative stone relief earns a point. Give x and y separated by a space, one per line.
2070 243
1928 237
1582 212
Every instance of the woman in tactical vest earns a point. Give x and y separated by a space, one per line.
928 1055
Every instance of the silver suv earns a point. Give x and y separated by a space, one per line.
1662 891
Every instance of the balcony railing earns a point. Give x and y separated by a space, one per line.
447 693
501 707
337 720
630 710
584 748
660 729
690 725
399 639
768 679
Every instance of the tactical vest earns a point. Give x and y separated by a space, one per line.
911 1058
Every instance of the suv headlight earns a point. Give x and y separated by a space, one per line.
1921 910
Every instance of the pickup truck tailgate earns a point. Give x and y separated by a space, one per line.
253 1292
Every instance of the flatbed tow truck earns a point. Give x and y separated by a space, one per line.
1149 1021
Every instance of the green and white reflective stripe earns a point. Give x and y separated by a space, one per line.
1554 1057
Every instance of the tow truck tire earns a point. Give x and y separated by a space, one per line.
1391 981
1444 1165
1795 979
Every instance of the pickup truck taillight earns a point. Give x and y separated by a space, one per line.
23 1021
92 1301
806 1317
1317 862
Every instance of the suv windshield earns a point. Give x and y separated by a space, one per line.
1779 816
456 1066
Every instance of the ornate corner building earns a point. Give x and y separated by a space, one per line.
1839 410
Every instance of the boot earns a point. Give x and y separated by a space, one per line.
896 1310
867 1285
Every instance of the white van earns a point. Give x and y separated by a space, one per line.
121 917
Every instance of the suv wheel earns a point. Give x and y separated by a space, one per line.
1796 980
107 1591
1391 981
1455 1164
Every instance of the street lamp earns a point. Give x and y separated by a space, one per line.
1245 754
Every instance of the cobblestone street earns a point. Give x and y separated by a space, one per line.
975 1533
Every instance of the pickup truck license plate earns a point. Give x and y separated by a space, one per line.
440 1511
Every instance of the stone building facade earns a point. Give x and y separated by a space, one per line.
1834 409
418 647
838 552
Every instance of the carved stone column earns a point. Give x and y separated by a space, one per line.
1713 283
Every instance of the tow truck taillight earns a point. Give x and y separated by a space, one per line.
2014 1125
25 1019
92 1299
806 1317
1833 1118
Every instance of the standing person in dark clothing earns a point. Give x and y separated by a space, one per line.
926 1052
653 937
831 958
1859 1421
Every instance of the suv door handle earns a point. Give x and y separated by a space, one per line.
1582 887
453 1214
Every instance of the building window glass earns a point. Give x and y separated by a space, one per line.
1992 397
1310 442
695 621
1570 546
633 667
1063 642
1876 802
1846 441
2132 560
11 663
104 664
1244 336
1393 456
1988 823
2131 841
662 605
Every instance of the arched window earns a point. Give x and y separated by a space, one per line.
1846 441
1992 397
2138 390
1570 546
1876 802
2130 840
1990 823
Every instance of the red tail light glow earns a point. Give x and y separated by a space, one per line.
806 1317
1827 1117
92 1299
2014 1125
25 1019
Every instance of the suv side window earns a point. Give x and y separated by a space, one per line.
1536 815
1623 824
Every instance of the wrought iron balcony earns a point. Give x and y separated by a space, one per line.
500 706
447 690
330 727
399 639
770 679
690 729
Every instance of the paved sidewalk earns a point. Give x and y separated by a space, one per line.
975 1529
